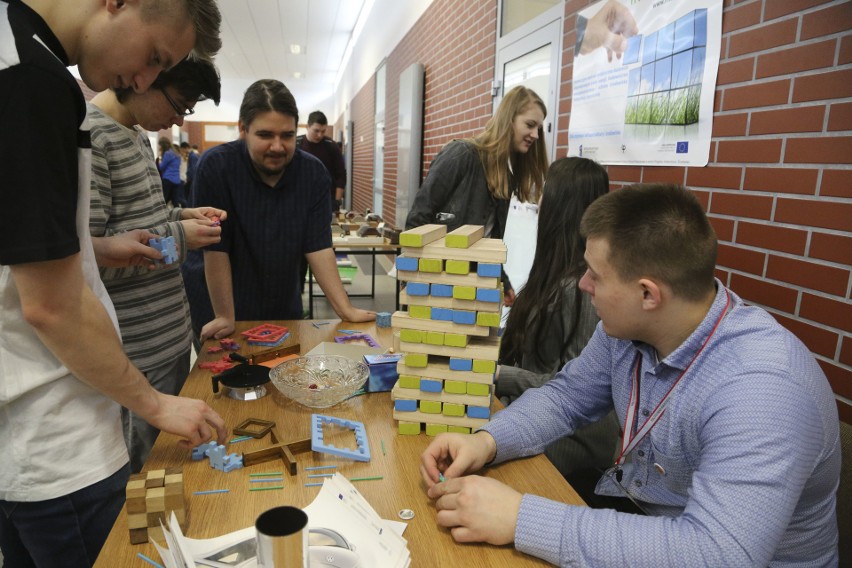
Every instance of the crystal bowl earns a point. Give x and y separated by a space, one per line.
319 381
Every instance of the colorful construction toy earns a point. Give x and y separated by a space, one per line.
318 444
166 246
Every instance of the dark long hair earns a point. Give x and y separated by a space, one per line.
572 185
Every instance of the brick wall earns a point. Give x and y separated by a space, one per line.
778 187
362 113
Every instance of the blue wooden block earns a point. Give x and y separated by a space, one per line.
457 364
362 453
428 385
405 405
417 289
442 290
488 295
478 412
489 270
383 319
405 263
442 314
464 317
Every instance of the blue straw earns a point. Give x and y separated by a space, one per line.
313 484
211 491
322 475
320 467
149 561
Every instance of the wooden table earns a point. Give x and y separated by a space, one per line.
401 488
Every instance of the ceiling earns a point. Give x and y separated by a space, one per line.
256 43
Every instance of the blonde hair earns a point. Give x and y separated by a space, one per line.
495 149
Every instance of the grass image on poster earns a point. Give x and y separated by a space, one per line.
664 85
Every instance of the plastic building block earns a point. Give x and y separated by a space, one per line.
416 360
489 270
430 406
484 366
442 314
434 265
434 338
223 461
411 335
464 317
477 389
464 292
365 337
435 429
431 385
409 428
442 290
409 382
457 364
455 339
200 452
421 312
461 267
488 319
405 405
266 334
455 387
318 445
383 319
478 412
407 263
168 248
417 288
229 344
487 295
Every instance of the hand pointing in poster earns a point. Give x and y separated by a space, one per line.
609 28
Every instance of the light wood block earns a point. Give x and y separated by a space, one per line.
399 393
477 389
483 348
464 236
491 251
455 387
423 235
488 319
434 265
403 321
433 338
450 279
409 382
430 406
155 478
415 359
411 335
451 303
455 339
439 419
439 369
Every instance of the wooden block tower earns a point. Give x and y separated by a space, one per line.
448 335
151 497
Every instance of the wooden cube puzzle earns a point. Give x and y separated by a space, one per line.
151 498
448 334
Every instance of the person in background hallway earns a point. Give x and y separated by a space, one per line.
471 181
552 319
63 375
127 194
316 143
170 171
277 198
731 436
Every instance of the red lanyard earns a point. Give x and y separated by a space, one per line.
630 439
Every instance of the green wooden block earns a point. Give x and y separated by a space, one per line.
455 339
409 382
464 292
416 359
458 267
409 428
434 338
410 240
455 387
453 409
458 429
483 366
488 319
457 241
411 335
475 389
431 407
420 312
431 265
435 429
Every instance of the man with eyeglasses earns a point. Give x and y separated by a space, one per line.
127 195
730 442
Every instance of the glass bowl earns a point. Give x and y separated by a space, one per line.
319 381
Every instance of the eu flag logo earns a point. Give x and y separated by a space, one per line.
682 148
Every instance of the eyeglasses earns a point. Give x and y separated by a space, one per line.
175 106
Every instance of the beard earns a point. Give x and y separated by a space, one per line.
270 172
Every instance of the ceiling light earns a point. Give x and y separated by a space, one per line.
295 48
297 75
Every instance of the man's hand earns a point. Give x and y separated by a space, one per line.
609 28
189 418
126 249
455 455
356 315
211 213
200 232
217 329
477 509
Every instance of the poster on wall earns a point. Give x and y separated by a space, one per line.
644 81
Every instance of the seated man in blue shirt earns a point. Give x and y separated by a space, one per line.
278 209
731 430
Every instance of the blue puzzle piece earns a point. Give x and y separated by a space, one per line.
457 364
489 270
488 295
428 385
167 246
417 289
442 290
405 405
405 263
478 412
464 317
318 444
199 452
221 460
442 314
